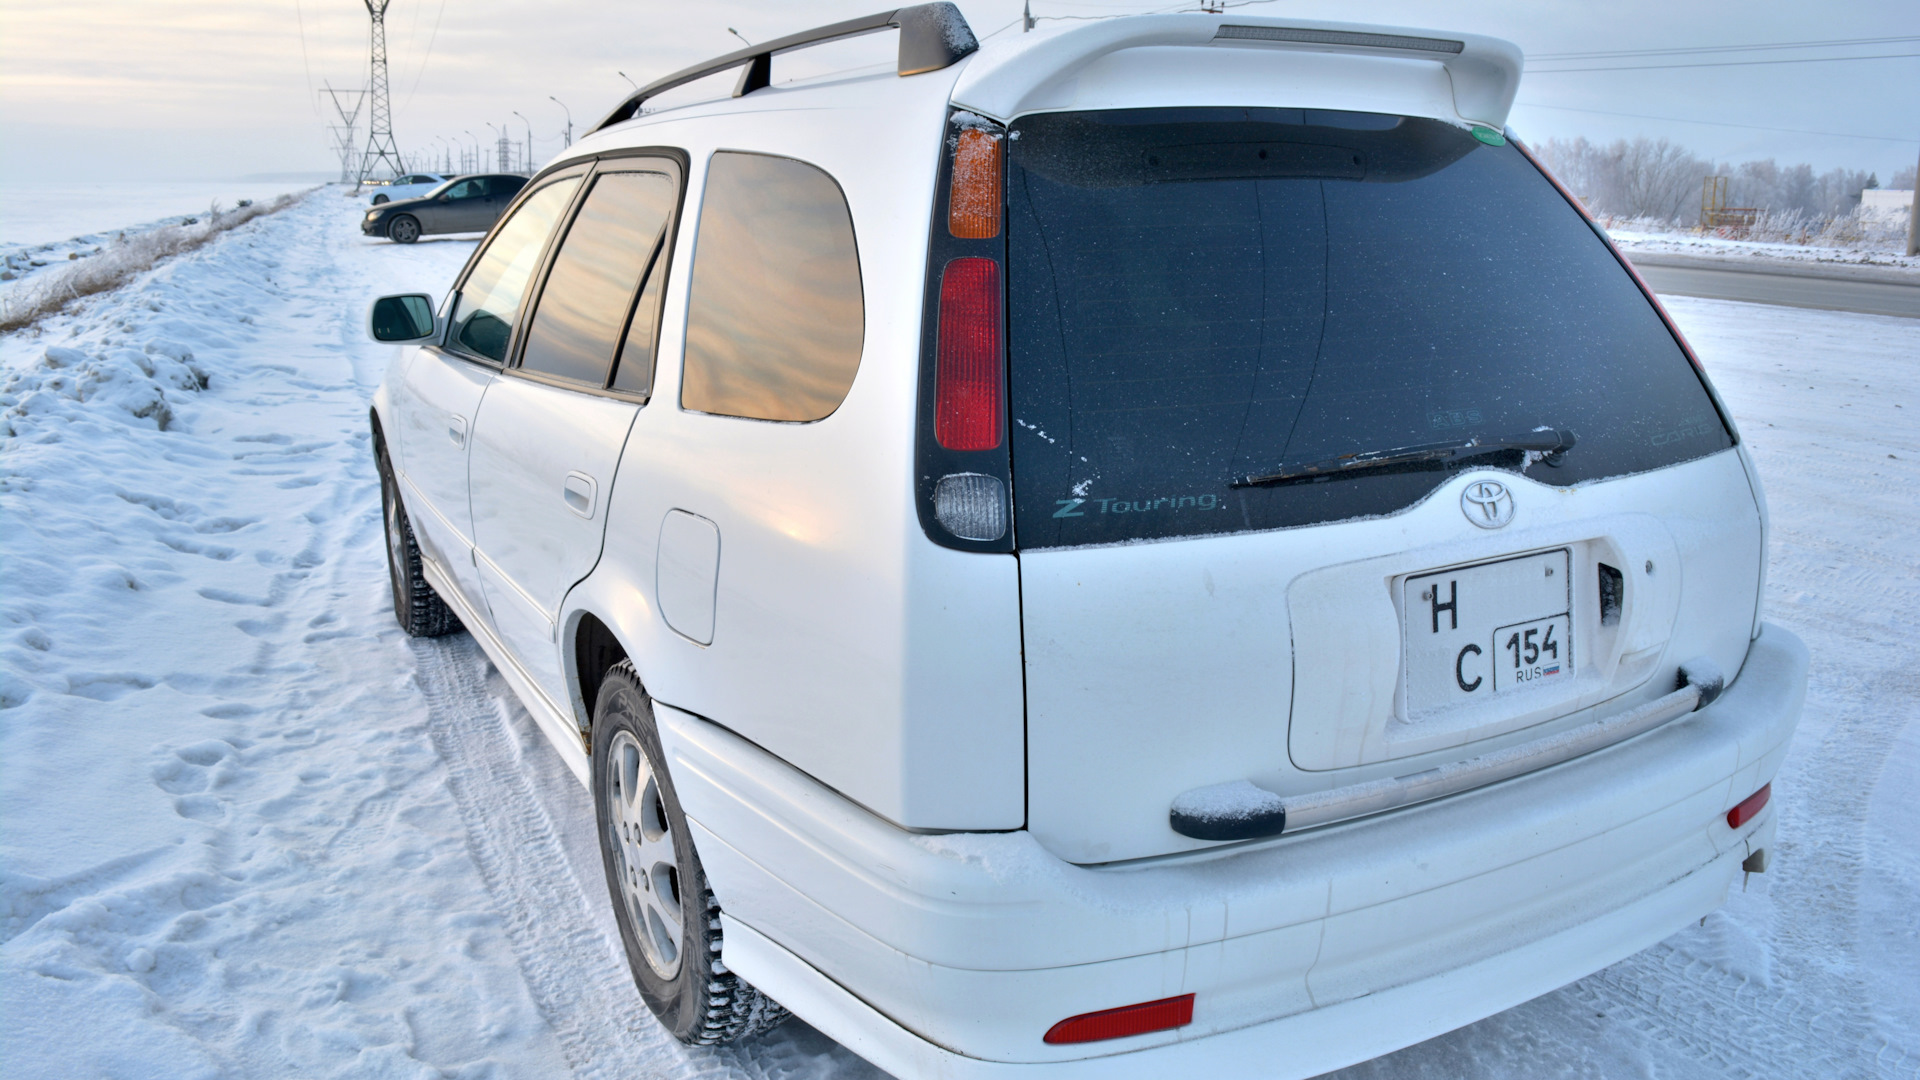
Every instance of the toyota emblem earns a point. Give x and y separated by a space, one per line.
1487 503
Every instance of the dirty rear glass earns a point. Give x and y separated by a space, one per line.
1195 296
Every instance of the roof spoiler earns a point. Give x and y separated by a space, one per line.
1484 71
932 36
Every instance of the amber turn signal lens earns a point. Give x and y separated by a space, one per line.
973 206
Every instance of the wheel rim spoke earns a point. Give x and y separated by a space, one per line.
645 860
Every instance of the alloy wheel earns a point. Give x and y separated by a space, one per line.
643 850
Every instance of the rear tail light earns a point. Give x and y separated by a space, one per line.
973 204
971 506
1749 807
1138 1019
967 391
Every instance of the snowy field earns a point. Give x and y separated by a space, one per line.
43 212
248 829
1759 252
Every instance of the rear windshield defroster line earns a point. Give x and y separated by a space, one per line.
1196 296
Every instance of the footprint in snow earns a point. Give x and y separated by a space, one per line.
107 686
227 596
199 808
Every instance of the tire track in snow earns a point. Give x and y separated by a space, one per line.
574 968
576 979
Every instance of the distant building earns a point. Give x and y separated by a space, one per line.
1890 204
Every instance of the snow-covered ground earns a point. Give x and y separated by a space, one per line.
44 227
43 211
247 829
1636 241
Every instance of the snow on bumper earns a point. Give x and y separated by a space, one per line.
954 953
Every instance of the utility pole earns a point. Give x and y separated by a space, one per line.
1913 218
529 123
381 150
343 131
476 152
563 108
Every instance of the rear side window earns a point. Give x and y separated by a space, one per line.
1196 296
588 299
490 297
775 315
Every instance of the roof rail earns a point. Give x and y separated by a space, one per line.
932 36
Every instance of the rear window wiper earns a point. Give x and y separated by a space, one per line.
1547 441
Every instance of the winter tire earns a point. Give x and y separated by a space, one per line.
378 199
669 921
404 229
418 608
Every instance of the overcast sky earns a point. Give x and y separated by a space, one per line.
124 89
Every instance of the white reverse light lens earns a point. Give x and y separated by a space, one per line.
971 506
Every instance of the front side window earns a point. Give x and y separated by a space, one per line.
775 315
1199 300
589 295
483 315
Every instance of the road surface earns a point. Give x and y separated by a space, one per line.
1870 290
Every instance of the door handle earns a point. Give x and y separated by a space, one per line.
457 430
579 490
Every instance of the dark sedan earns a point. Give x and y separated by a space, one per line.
462 204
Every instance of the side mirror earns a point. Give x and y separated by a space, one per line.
448 197
405 319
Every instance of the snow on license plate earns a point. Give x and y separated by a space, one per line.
1477 631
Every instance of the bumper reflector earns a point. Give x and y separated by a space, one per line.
1749 807
1138 1019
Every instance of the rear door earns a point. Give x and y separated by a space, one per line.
552 427
1200 300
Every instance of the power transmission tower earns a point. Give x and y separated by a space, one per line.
381 150
343 131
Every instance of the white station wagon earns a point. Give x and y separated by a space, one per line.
1166 546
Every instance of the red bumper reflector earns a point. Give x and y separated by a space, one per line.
1138 1019
966 408
1749 807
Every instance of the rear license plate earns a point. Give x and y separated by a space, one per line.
1478 631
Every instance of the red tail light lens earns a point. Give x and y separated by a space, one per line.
967 407
1138 1019
1749 807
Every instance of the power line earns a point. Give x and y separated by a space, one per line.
301 21
1724 63
1623 53
1715 123
431 38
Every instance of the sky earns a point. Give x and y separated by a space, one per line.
175 90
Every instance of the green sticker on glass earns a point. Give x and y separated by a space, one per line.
1489 136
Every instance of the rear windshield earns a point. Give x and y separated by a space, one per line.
1198 296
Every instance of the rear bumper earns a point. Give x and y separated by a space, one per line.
952 954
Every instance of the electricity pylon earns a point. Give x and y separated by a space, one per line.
343 131
381 150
